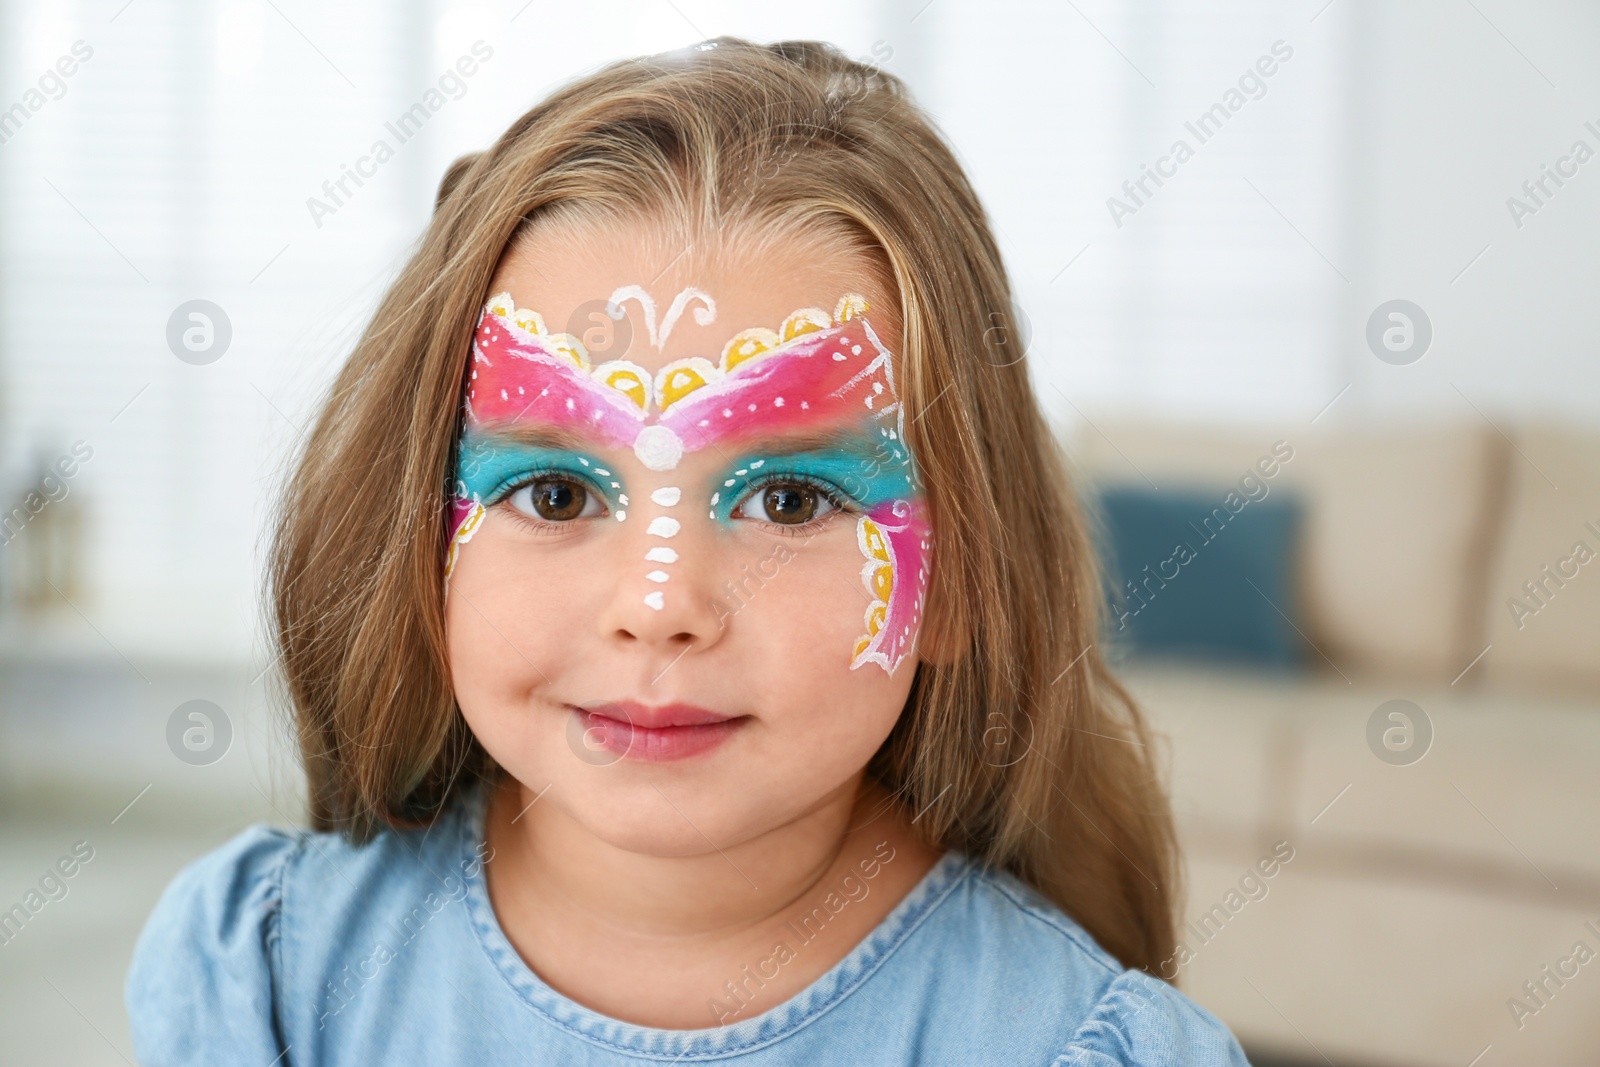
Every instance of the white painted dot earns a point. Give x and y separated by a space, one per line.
742 471
658 447
664 526
570 405
752 407
655 600
727 413
715 497
667 495
804 404
623 499
602 473
583 461
661 554
778 403
838 357
621 515
877 387
757 463
658 576
504 395
728 483
855 349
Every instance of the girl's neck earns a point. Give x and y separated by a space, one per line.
652 939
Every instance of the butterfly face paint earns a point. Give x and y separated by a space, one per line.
819 378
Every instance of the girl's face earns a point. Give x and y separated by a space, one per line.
690 546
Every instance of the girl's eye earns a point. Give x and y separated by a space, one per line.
786 503
555 500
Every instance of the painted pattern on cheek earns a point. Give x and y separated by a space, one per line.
895 539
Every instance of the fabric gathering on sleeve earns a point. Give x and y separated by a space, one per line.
1142 1021
200 989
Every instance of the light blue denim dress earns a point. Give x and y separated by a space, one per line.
294 948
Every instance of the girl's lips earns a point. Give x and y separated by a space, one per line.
634 731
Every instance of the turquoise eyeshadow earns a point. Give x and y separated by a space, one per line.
487 466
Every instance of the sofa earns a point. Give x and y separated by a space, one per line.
1420 733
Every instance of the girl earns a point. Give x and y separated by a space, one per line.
691 633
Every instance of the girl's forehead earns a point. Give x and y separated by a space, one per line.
633 292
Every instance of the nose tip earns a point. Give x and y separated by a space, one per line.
660 599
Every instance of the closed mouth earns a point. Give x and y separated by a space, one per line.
630 730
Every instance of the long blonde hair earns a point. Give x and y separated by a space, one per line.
1021 750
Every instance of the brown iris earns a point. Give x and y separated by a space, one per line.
790 505
558 501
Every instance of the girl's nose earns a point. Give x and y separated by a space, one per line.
662 595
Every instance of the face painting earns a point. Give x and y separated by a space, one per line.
810 402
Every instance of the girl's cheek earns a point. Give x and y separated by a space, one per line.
803 595
503 603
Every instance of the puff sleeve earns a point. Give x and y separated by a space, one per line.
201 986
1142 1021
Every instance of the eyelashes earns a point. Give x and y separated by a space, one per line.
552 500
586 502
756 490
547 474
848 481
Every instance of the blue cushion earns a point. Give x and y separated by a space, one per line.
1202 574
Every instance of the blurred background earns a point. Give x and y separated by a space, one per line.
1307 288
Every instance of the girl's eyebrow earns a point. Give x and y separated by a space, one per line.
538 434
839 439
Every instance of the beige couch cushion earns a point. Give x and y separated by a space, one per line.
1395 534
1544 587
1421 896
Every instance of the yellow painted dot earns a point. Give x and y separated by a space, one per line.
678 379
629 385
569 347
628 379
850 306
748 344
872 541
875 617
806 320
883 583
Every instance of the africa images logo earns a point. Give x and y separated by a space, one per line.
337 191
